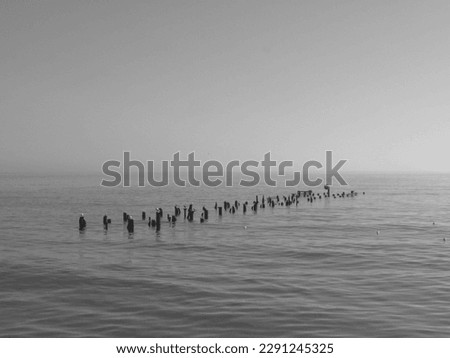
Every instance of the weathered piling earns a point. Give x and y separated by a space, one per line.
255 206
158 219
82 223
130 225
190 215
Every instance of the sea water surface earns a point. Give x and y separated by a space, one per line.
313 270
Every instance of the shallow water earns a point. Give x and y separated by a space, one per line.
314 270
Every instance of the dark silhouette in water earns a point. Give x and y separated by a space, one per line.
191 211
158 219
130 225
81 223
255 205
105 222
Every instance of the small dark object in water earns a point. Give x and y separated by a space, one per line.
190 215
130 225
158 219
81 223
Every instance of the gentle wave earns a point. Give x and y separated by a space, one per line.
368 266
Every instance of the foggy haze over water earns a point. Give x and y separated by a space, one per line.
82 82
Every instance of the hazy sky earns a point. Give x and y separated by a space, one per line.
80 82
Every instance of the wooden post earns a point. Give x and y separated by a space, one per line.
158 220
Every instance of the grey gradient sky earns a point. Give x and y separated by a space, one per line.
80 82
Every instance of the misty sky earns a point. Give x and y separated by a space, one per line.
80 82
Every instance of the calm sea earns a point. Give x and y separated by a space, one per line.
314 270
